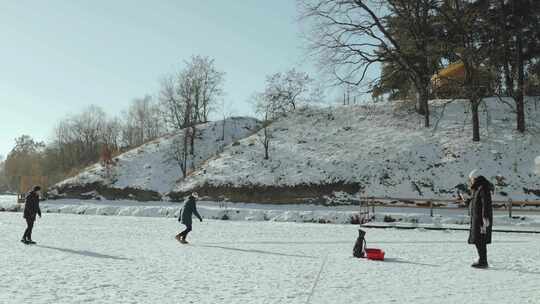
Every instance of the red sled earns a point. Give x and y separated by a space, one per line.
375 254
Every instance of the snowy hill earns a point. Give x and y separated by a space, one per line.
149 171
382 148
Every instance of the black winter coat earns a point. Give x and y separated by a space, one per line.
31 205
188 210
480 207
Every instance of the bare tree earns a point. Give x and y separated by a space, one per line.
267 110
87 130
209 86
23 160
111 134
265 139
225 113
288 89
180 152
189 96
284 92
79 139
350 37
142 122
4 185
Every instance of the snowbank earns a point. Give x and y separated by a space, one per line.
8 203
279 213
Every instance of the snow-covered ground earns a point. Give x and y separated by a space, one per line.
5 198
385 148
109 259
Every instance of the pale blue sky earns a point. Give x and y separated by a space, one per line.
57 57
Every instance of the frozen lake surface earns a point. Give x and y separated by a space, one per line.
112 259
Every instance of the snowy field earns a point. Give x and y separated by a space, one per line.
113 259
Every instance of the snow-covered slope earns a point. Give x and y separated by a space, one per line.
383 148
150 170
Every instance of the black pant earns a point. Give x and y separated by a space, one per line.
481 247
184 233
29 226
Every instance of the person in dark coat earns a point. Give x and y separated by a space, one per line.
481 216
31 208
186 214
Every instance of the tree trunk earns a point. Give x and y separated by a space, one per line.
421 106
471 90
184 156
423 103
475 119
223 128
192 139
266 144
519 96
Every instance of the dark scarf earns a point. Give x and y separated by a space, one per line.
481 181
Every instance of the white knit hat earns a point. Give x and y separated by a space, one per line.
475 173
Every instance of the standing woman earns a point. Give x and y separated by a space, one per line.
31 208
481 216
190 208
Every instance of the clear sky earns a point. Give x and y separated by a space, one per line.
59 56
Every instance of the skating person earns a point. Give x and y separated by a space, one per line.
481 216
31 208
190 208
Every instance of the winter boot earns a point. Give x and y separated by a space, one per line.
480 265
31 242
25 242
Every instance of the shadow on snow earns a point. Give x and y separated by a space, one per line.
258 251
85 253
402 261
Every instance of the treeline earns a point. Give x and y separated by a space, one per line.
186 98
80 140
496 42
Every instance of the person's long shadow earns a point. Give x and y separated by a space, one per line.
401 261
348 242
258 251
85 253
441 242
281 243
524 271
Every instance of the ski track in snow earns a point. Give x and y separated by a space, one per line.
109 259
